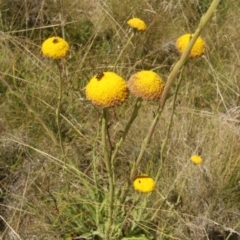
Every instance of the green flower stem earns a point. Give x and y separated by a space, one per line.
58 110
123 49
138 161
145 143
30 109
164 143
172 76
109 171
129 124
95 175
174 73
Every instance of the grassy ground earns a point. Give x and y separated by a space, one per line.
44 195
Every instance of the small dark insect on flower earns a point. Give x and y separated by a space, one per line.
99 76
55 40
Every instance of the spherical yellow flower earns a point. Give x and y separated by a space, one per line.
146 84
144 183
107 89
196 159
198 48
55 47
137 23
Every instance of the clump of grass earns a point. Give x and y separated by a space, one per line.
88 193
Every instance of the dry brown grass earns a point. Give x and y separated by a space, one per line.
41 200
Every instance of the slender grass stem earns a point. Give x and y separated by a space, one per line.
176 181
164 143
58 110
123 49
30 109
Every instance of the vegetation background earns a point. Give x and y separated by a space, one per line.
41 200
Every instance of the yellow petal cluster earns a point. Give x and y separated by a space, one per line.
137 23
198 48
55 47
144 183
146 84
107 89
196 159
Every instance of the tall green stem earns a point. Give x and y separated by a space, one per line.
109 171
145 143
174 73
171 78
95 175
138 161
164 143
129 124
58 110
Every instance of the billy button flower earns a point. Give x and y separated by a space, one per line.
198 48
107 89
144 183
146 84
196 159
137 23
55 47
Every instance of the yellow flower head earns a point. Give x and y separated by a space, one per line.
196 159
137 23
144 183
198 48
146 84
107 89
55 47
